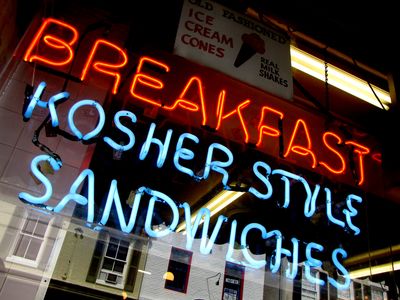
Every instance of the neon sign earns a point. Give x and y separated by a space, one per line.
261 170
55 48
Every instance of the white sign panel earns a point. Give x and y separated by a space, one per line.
225 40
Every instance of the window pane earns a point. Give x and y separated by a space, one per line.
33 249
111 278
179 266
114 241
122 252
29 225
108 264
119 266
22 245
41 227
112 250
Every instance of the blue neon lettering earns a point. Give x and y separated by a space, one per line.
252 262
261 170
218 166
80 199
124 129
158 196
113 197
310 202
191 231
35 100
263 178
276 261
52 107
163 147
203 214
43 179
231 244
100 123
292 268
184 153
342 269
329 209
313 263
205 248
352 212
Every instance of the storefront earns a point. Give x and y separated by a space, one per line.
184 160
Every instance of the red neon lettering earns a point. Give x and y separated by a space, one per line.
338 141
238 110
189 105
104 67
377 157
300 149
147 80
361 151
52 42
265 129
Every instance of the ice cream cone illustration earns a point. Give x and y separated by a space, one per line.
252 44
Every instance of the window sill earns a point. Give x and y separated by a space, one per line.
116 286
22 261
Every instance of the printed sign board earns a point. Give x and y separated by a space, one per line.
227 41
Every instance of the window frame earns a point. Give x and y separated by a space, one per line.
227 277
169 269
28 215
125 270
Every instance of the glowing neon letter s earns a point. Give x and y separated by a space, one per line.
184 153
158 196
352 212
118 115
38 174
342 161
310 203
163 148
54 42
313 263
80 199
263 178
100 123
252 262
218 166
342 269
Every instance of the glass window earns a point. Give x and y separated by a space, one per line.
30 239
113 267
177 275
233 281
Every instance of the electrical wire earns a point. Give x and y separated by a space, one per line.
217 283
57 130
370 86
